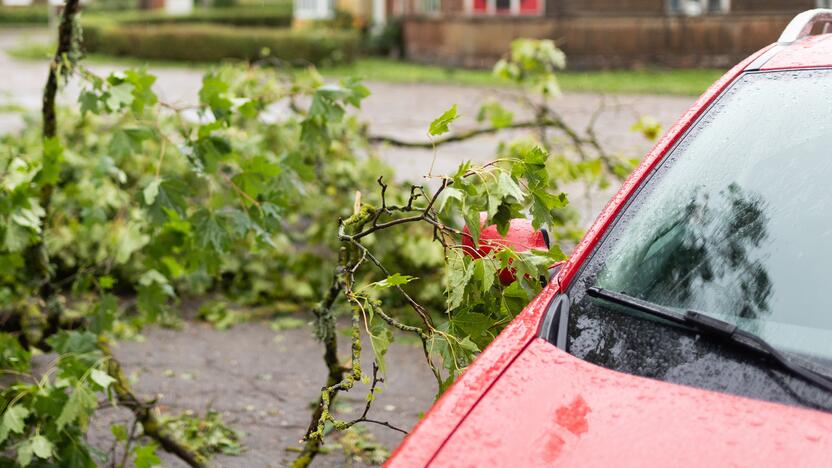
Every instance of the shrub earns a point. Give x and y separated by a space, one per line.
24 15
273 15
212 43
388 41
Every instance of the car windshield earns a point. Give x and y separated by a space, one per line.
737 221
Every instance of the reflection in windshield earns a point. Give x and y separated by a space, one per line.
736 221
711 239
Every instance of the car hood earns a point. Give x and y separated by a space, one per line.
550 408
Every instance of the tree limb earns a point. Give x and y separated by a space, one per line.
144 413
377 139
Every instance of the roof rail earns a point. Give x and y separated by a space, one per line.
802 24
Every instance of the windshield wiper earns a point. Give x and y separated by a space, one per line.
716 328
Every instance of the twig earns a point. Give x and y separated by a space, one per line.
129 442
144 413
370 398
378 139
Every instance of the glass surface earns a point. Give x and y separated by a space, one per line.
737 221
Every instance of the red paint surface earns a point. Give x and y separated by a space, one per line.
433 430
551 408
521 236
438 425
529 6
810 52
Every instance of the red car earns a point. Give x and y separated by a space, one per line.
692 326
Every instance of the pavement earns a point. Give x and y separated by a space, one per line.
263 381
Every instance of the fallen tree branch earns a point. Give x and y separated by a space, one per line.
376 139
335 371
144 413
370 398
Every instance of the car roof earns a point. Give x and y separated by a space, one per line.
807 52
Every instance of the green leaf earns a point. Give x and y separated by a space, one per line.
498 116
29 217
13 421
514 299
447 195
380 339
485 270
393 280
78 407
648 126
74 455
106 282
130 240
170 195
556 254
53 156
119 431
440 125
356 91
103 314
468 345
474 223
507 187
25 451
89 102
129 141
102 379
73 342
209 232
214 94
459 274
145 456
42 447
16 238
471 323
12 355
542 205
211 150
37 445
119 96
151 190
143 94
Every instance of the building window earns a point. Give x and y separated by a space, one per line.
314 9
430 6
698 7
505 7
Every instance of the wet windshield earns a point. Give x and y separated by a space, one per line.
737 221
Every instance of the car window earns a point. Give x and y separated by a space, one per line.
736 222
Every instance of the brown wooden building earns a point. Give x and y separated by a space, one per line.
596 33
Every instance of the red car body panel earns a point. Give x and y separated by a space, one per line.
585 415
810 52
521 236
502 412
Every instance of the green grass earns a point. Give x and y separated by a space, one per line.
28 49
688 82
45 51
24 15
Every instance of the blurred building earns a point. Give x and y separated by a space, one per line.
172 7
595 33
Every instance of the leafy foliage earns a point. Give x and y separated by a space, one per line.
207 435
522 184
45 418
140 203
